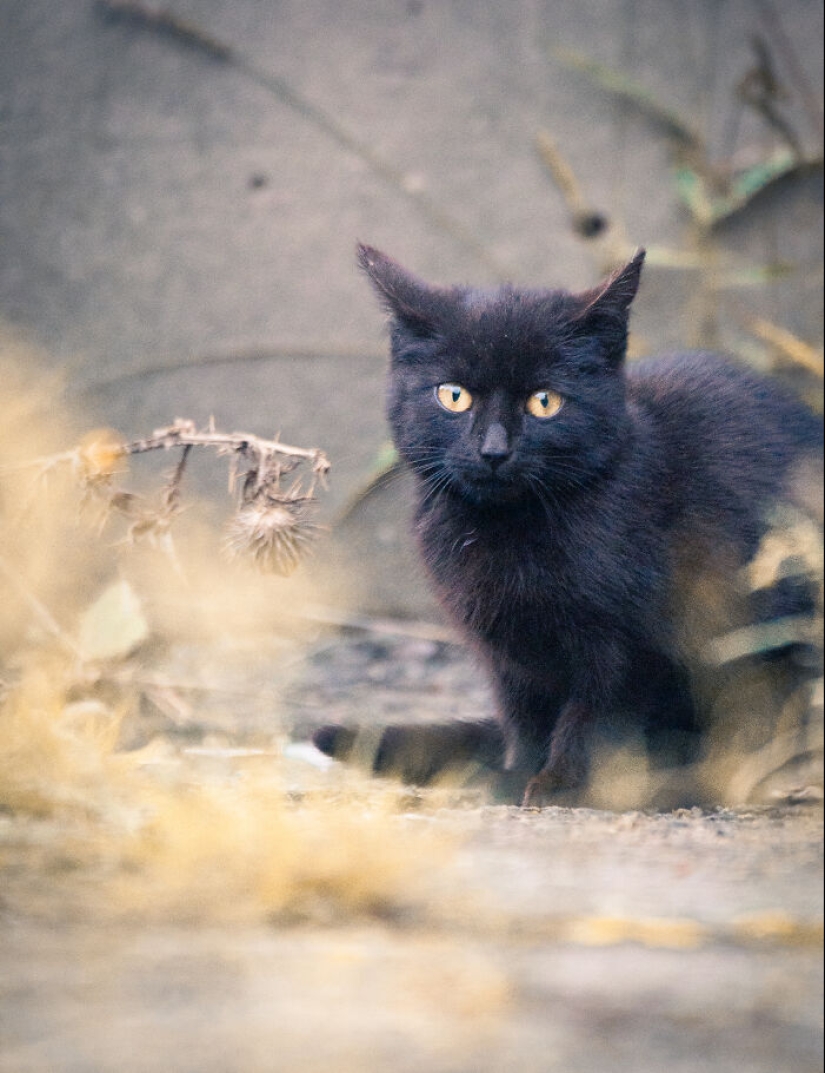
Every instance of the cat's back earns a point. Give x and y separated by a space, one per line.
729 438
702 401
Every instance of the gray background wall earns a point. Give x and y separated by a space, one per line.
177 229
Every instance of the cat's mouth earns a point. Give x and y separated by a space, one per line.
489 487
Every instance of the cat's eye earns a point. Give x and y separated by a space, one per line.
544 404
454 397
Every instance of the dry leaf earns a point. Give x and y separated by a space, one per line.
114 625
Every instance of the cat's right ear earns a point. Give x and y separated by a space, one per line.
410 301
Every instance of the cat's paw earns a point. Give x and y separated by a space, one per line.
549 788
335 741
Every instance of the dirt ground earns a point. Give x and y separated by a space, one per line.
566 939
688 943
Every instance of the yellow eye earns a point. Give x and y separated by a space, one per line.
544 404
454 398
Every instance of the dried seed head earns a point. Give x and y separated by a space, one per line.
101 455
274 534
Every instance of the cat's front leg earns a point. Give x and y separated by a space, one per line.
529 706
568 764
599 667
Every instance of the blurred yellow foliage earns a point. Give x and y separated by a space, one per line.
151 832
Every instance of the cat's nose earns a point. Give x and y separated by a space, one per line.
496 446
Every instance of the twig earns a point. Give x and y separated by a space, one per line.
270 525
788 345
761 637
619 85
414 630
810 97
185 434
165 22
587 221
713 201
761 90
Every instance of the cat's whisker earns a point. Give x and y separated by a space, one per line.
436 484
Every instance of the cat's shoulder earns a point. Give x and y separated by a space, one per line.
706 377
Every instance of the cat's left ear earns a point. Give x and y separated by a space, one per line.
616 293
605 309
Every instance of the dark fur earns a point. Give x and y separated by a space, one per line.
556 545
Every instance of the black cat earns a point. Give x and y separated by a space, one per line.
567 502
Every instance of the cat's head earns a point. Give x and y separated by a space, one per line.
505 394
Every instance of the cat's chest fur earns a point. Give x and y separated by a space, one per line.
531 581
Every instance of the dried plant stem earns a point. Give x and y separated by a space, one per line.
778 36
416 630
562 174
271 525
609 237
788 345
165 22
633 93
185 434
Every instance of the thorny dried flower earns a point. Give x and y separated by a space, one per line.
97 460
102 453
271 525
272 531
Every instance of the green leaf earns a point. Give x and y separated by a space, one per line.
710 209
